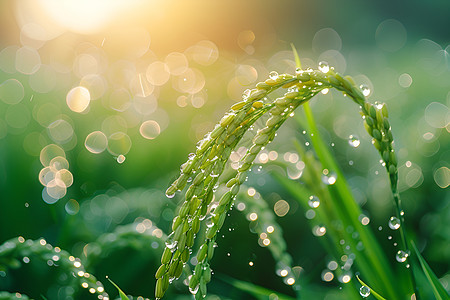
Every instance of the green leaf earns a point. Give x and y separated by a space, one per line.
121 293
375 294
439 291
256 291
297 58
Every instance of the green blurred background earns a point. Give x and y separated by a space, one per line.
159 75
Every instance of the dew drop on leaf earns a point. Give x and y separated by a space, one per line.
194 290
329 179
364 291
354 141
314 202
401 256
324 67
365 90
394 223
121 158
273 75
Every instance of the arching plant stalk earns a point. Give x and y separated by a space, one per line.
205 166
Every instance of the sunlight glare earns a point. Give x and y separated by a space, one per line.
82 16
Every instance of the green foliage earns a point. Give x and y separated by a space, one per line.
12 296
205 167
370 290
212 189
438 290
121 293
18 251
256 291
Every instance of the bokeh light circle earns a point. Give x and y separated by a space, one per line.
326 39
49 152
158 73
11 91
119 143
437 115
60 131
28 60
246 74
59 163
65 176
204 52
119 100
150 129
390 35
56 189
78 99
176 62
18 116
72 207
96 142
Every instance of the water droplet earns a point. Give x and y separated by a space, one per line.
329 179
394 223
325 91
401 256
365 90
354 141
298 71
314 201
293 89
324 67
169 195
364 291
171 244
319 230
194 290
379 105
121 158
273 75
290 281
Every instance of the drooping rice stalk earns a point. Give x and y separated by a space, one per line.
203 169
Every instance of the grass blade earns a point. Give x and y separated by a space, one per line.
297 58
256 290
121 293
375 294
439 291
381 272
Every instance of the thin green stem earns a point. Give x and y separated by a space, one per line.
400 216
